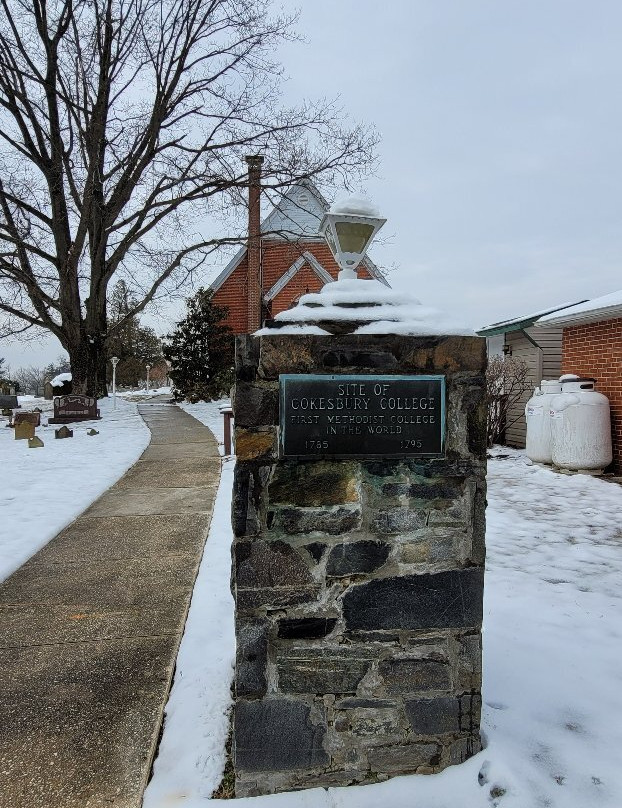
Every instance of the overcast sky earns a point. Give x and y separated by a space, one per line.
500 167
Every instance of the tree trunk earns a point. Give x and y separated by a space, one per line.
88 367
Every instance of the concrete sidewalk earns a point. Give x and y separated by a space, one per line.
91 625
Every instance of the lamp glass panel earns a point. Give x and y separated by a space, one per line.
328 235
353 236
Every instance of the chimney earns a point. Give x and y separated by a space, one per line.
254 242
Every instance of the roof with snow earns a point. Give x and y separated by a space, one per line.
59 381
589 311
296 217
519 323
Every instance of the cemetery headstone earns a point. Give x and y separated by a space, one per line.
92 432
7 412
27 417
48 391
25 431
35 443
63 432
70 408
9 402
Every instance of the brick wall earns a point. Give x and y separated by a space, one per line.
276 259
595 350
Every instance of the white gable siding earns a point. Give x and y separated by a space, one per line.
543 363
298 214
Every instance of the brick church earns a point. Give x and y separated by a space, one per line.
285 257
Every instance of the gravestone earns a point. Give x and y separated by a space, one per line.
25 431
92 432
35 443
48 391
358 520
7 412
9 402
33 418
71 408
63 432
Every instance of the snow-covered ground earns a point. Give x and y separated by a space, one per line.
552 673
141 393
43 490
552 717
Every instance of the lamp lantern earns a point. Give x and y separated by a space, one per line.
114 360
349 228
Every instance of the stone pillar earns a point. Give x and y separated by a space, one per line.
358 582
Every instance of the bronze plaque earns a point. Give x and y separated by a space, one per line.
362 416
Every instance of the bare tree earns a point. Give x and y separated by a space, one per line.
31 379
123 124
507 378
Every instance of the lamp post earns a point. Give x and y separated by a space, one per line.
148 369
115 361
349 228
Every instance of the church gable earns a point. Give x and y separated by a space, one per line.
307 261
297 215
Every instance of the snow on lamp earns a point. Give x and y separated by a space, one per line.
349 228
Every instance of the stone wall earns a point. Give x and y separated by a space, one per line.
358 583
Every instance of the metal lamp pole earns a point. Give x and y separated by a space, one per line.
148 369
115 361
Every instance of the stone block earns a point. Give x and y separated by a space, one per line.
332 520
308 628
413 675
478 539
282 354
429 547
399 520
470 712
434 716
248 484
251 658
256 404
276 735
349 358
248 600
356 558
353 703
446 355
270 575
321 670
256 444
403 758
246 357
260 564
450 599
426 489
35 443
315 550
469 659
373 723
314 484
464 748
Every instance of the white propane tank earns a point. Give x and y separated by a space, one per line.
538 446
580 426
